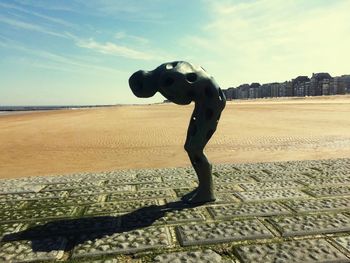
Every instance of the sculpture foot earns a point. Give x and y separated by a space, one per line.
189 195
201 197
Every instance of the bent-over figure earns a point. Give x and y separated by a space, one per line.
182 83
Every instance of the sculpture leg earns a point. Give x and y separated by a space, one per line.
199 133
205 190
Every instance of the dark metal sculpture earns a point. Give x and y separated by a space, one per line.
182 83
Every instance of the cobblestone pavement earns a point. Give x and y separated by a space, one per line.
265 212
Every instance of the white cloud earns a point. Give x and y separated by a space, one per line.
139 40
274 40
114 49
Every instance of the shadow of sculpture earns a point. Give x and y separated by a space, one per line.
80 230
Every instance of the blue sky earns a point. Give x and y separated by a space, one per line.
83 51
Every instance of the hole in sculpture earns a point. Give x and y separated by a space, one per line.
191 77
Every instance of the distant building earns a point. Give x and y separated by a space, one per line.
319 84
300 86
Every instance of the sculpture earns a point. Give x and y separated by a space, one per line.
181 82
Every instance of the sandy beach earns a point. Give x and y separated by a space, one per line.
151 136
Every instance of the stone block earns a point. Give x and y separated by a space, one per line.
162 215
317 205
308 251
219 232
270 185
141 195
9 228
118 207
56 202
101 190
278 194
48 212
311 224
329 191
167 185
206 256
32 196
123 242
33 250
344 242
247 209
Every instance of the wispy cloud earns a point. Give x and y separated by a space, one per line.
123 35
114 49
50 60
43 4
48 18
29 26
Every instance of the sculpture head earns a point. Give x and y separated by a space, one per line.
143 84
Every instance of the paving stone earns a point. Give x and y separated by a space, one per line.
32 196
232 178
329 191
136 180
141 195
9 228
206 256
51 179
247 209
21 188
212 233
329 173
124 242
316 205
16 205
307 251
165 185
343 241
179 177
34 250
270 185
327 181
47 228
49 212
280 177
101 190
278 194
117 207
312 224
162 215
68 186
110 260
226 188
56 202
180 192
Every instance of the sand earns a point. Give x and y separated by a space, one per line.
149 136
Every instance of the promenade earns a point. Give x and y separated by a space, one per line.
295 211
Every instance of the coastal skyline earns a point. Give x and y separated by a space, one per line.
83 52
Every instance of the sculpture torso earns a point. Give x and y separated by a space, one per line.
182 82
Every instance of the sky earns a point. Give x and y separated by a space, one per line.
79 52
